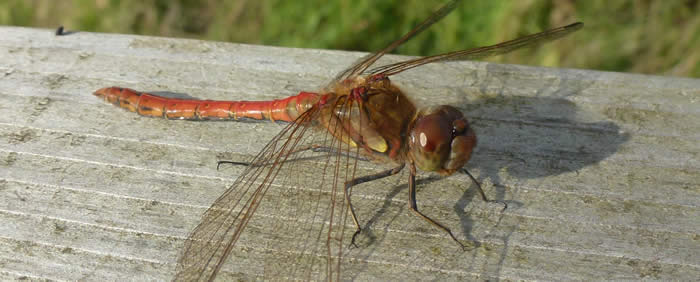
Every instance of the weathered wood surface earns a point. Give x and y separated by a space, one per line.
601 170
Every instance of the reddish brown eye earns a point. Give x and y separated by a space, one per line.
430 133
425 143
459 127
441 140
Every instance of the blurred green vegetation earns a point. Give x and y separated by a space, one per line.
642 36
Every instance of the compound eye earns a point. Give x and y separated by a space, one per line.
432 133
459 127
441 140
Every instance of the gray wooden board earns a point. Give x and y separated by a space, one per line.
601 169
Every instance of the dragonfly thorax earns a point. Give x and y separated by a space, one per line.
440 140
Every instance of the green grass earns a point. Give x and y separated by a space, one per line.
642 36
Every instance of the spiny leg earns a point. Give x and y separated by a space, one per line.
360 180
334 151
414 207
218 163
305 148
481 191
313 148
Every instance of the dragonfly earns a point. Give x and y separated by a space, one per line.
315 161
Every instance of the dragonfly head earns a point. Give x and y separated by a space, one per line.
441 140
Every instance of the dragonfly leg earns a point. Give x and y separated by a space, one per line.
219 163
414 207
319 149
481 191
314 148
360 180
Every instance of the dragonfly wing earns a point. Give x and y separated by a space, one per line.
290 199
365 62
481 52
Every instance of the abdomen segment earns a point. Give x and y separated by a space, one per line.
146 104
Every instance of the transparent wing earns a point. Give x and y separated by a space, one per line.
291 204
365 62
481 52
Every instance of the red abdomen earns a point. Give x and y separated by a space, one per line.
145 104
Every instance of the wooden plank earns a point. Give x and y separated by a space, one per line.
601 169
